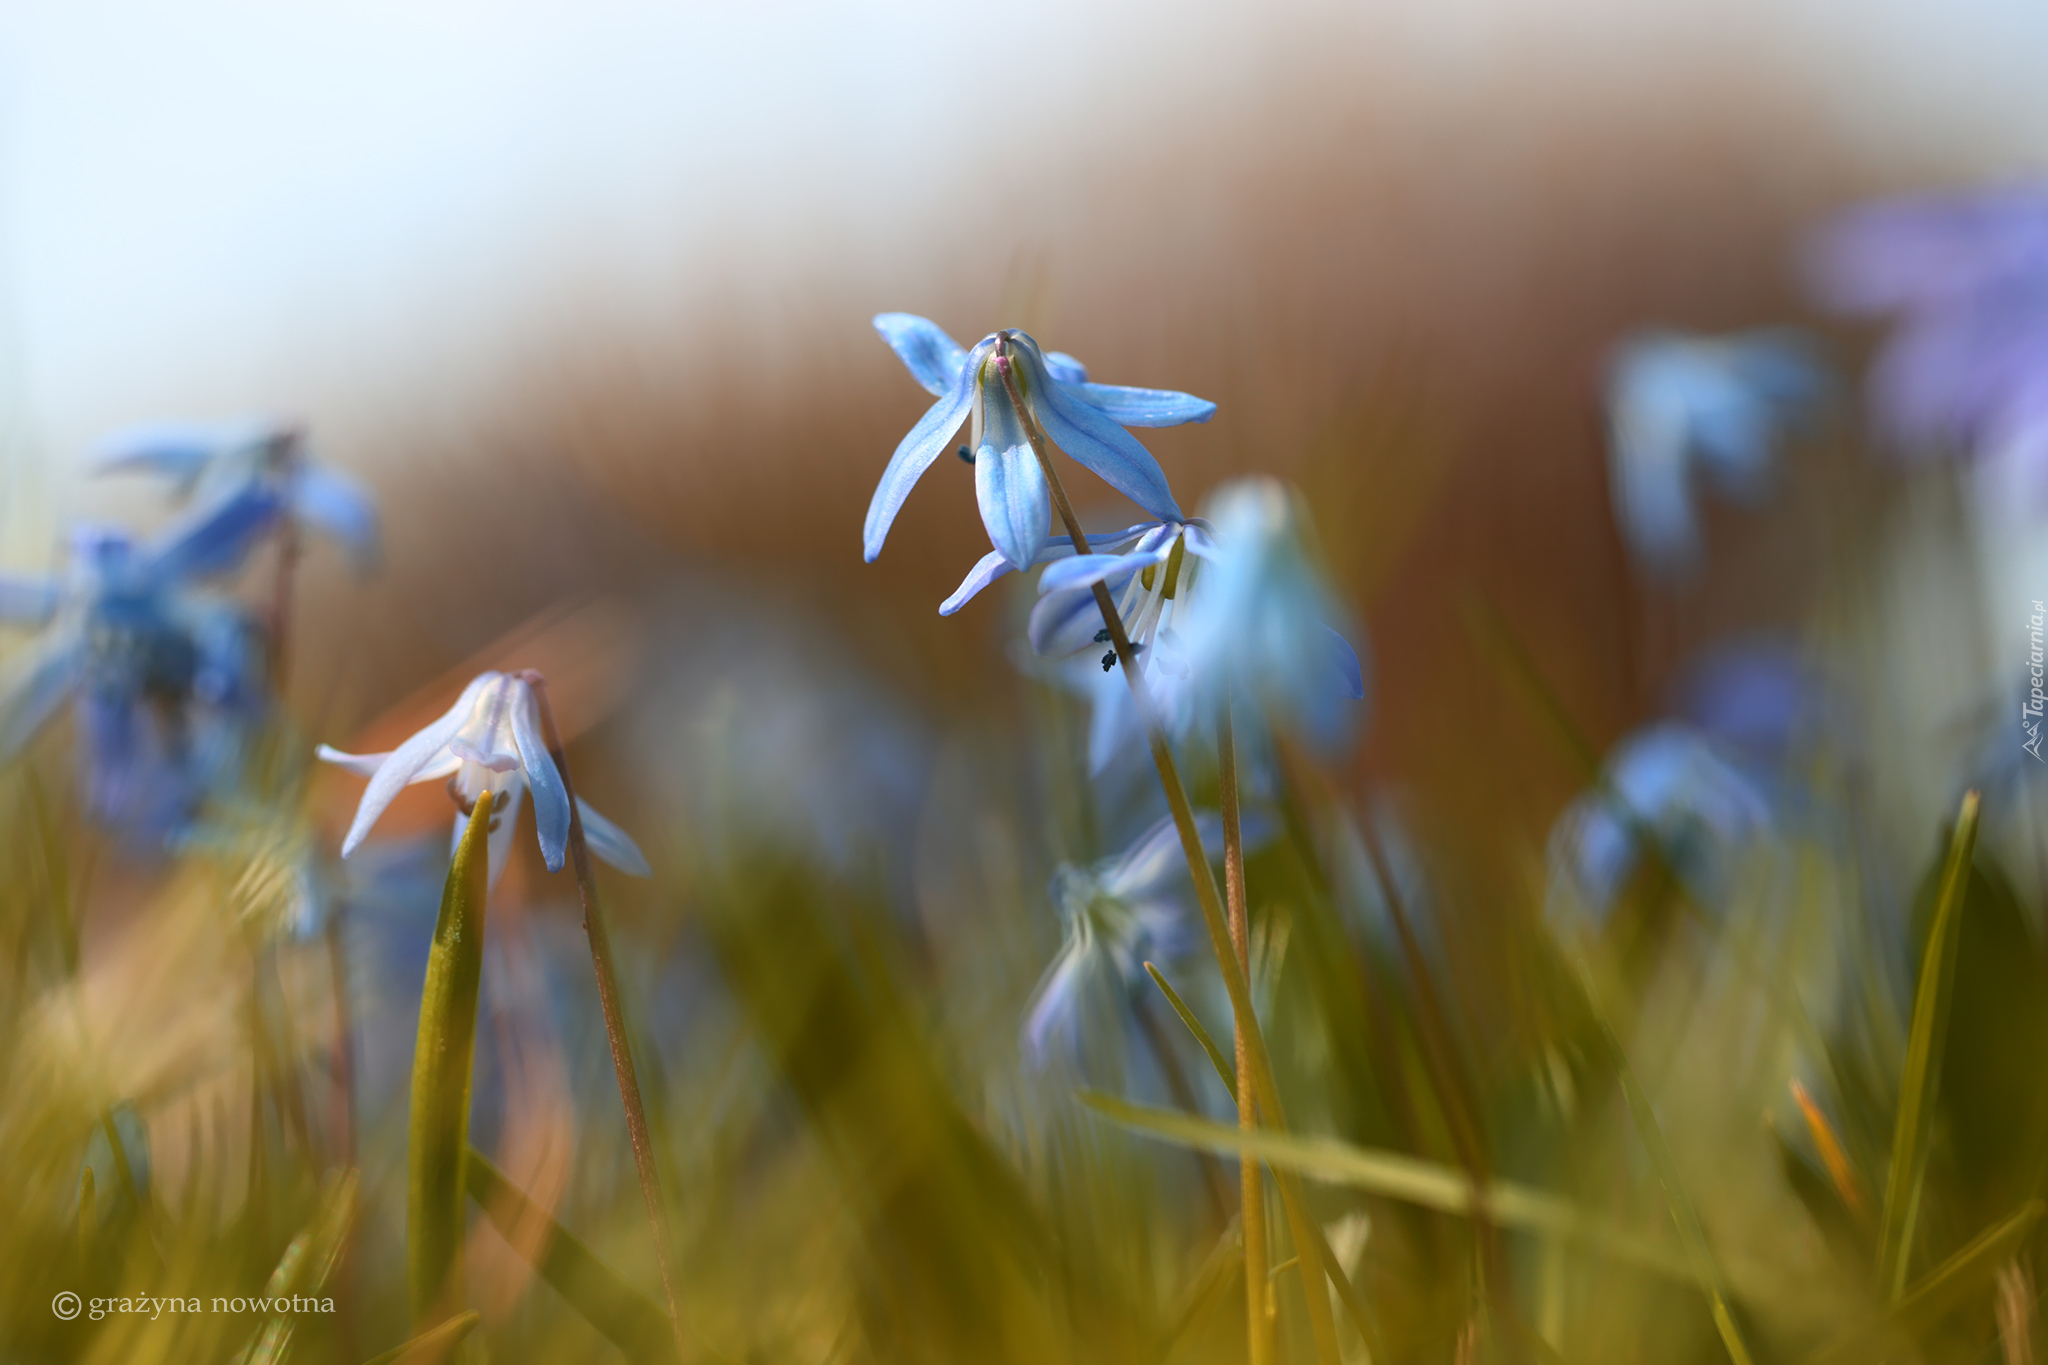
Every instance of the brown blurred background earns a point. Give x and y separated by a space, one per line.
586 298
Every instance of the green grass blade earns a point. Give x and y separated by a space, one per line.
1922 1078
304 1269
633 1322
433 1346
1706 1271
1187 1016
1396 1175
441 1067
1944 1289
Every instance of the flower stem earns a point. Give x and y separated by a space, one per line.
1252 1178
1265 1090
614 1016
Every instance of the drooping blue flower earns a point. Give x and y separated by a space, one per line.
1261 629
1118 914
1966 278
1084 419
1677 403
1670 784
213 462
165 681
490 740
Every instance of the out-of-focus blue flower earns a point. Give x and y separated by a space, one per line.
1966 276
1675 402
1118 914
1261 629
260 461
1152 580
490 740
1086 420
1671 784
165 681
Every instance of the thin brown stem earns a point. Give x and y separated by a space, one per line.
614 1016
1251 1177
1210 899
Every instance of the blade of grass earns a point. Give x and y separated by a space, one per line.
1922 1077
1187 1016
1944 1288
442 1061
1396 1175
1706 1271
432 1346
304 1268
628 1319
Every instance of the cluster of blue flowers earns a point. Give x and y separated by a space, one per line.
1225 612
168 674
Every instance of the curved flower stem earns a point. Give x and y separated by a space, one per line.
614 1016
1252 1178
1304 1229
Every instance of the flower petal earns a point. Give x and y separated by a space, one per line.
933 432
409 763
215 538
1065 368
1084 571
611 843
180 450
27 599
1065 623
1348 670
1010 484
934 359
334 503
550 796
1142 407
1097 442
986 570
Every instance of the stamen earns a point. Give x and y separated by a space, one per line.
1102 636
467 805
1109 661
965 454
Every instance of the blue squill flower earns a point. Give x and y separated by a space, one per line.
1118 914
1084 419
1262 626
1152 580
1672 785
1966 277
211 462
1676 403
164 681
490 740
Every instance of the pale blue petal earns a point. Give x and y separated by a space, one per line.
1084 571
216 538
1097 442
504 828
337 505
933 432
1010 484
27 600
409 763
550 797
35 687
986 570
1056 1004
180 450
1348 670
934 359
611 843
1065 623
1065 368
1143 407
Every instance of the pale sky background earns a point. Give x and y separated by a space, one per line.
221 205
